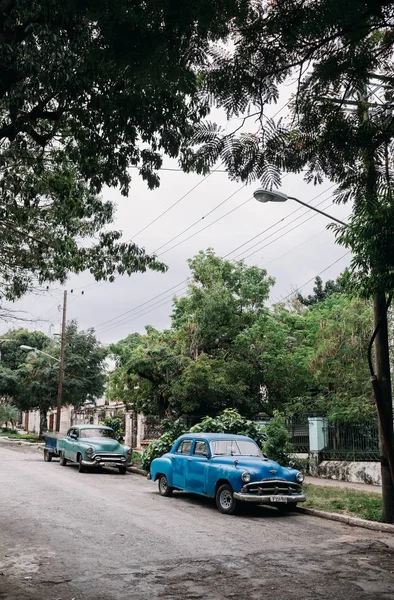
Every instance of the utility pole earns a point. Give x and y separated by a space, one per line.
381 378
61 365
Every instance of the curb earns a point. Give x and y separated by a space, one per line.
353 521
138 471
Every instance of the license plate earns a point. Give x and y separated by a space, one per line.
278 499
109 464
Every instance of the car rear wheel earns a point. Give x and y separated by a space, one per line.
122 470
164 488
63 461
225 501
81 468
47 456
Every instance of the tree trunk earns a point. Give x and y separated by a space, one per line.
43 421
384 406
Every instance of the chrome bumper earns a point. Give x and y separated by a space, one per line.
108 463
260 499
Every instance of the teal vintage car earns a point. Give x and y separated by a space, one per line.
93 446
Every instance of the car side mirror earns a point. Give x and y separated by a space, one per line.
120 438
205 454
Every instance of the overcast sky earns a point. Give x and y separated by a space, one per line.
293 251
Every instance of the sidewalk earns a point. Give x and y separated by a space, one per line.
361 487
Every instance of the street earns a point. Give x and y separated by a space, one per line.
104 536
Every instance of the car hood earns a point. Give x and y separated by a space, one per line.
104 444
259 468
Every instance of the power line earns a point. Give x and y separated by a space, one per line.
200 219
314 277
277 222
140 305
282 235
206 227
182 283
174 204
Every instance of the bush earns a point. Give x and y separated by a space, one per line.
172 431
115 423
230 421
277 445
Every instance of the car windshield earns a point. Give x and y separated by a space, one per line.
235 447
97 432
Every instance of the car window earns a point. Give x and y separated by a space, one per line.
200 449
97 432
184 447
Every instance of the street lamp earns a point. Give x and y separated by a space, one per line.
60 384
23 347
382 350
263 195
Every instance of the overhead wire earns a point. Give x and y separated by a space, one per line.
121 318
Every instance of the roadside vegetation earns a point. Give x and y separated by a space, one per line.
366 505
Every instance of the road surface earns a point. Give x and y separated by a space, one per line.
104 536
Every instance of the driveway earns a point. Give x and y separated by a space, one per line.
104 536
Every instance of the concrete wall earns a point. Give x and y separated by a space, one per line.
354 472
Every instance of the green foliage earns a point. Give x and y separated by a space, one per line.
172 431
277 445
8 414
366 505
116 423
230 421
30 379
222 350
321 292
127 94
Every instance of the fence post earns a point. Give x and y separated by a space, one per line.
317 441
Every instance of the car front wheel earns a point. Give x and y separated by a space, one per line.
225 500
122 470
63 460
164 488
81 468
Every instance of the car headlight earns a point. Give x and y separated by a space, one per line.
129 451
300 477
245 476
89 452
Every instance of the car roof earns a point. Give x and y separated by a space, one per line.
90 427
210 437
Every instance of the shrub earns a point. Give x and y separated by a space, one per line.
230 421
172 431
277 445
115 423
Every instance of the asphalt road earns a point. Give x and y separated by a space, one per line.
104 536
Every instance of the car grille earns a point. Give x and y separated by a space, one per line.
272 487
109 457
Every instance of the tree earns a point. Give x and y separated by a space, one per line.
87 92
335 50
8 414
224 349
146 367
321 292
32 384
331 348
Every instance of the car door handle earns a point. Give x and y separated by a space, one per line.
189 459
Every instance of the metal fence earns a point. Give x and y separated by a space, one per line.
351 441
298 428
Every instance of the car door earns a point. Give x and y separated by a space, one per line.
196 467
179 462
68 445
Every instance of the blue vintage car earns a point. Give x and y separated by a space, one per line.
229 468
